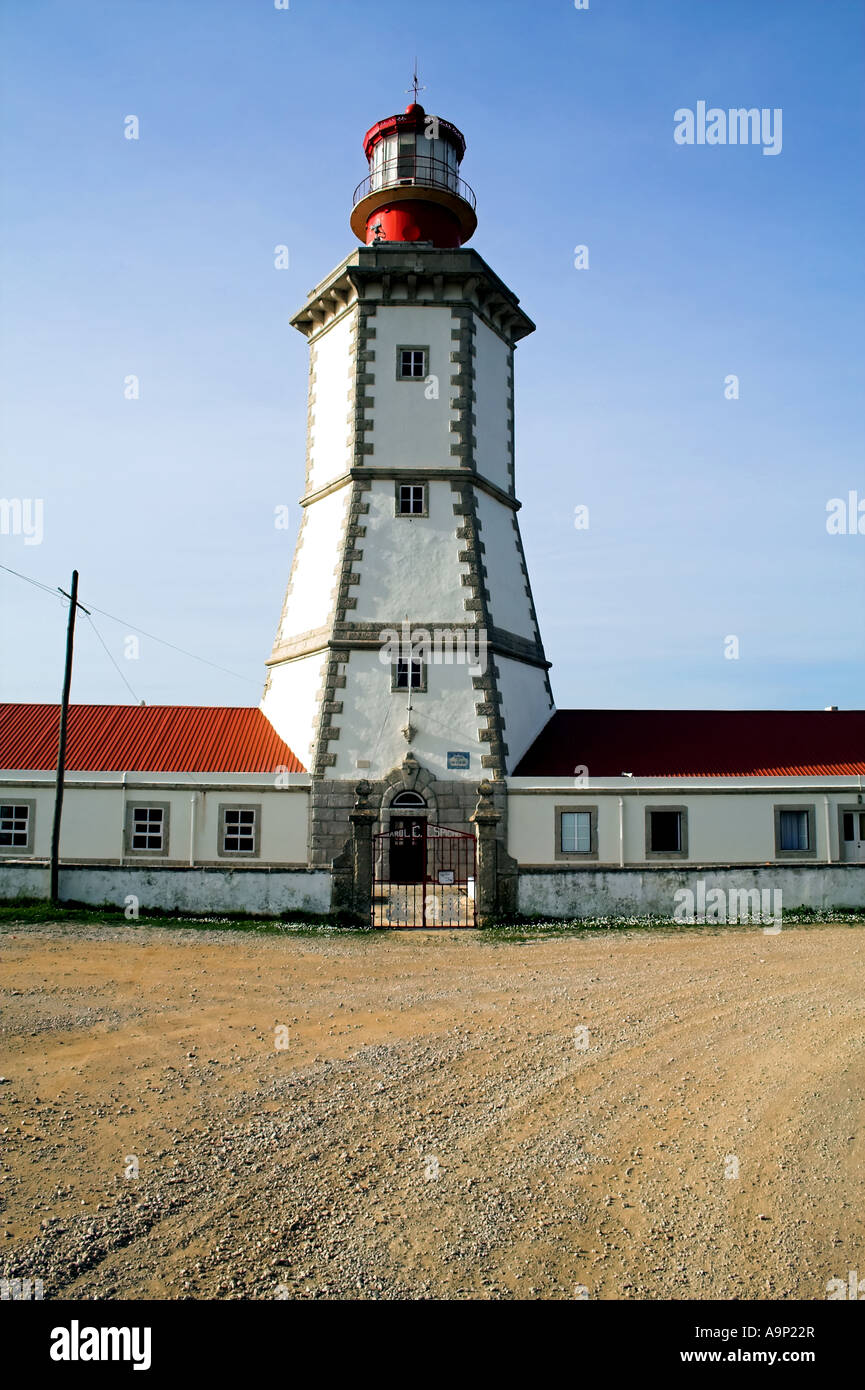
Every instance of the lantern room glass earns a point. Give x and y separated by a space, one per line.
409 157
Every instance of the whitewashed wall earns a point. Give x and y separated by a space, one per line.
411 567
509 602
291 702
260 892
410 430
633 892
314 578
725 825
93 816
373 716
525 705
333 368
491 406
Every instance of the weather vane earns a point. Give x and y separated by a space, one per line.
416 86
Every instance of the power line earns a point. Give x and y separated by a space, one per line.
182 650
113 662
55 593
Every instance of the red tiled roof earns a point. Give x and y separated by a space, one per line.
699 743
143 738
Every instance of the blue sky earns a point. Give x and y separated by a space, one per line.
155 258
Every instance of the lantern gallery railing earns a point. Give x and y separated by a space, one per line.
419 169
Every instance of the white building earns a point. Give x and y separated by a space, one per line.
407 760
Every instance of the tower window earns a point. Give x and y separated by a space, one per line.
239 830
147 828
411 499
408 675
411 363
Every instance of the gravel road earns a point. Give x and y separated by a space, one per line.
620 1115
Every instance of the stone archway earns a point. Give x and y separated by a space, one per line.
373 810
409 777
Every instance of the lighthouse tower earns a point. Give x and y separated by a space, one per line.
408 653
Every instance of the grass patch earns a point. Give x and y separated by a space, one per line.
533 928
24 910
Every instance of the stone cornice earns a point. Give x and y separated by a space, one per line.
422 475
395 275
364 636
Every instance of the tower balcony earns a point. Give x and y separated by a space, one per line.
420 180
413 170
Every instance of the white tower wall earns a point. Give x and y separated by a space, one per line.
493 407
411 428
292 702
454 574
510 605
411 565
331 381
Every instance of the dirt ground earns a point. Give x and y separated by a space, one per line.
629 1115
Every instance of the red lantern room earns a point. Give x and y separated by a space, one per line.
413 191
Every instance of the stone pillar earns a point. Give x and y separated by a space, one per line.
363 817
486 819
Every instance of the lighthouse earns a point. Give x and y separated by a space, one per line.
408 657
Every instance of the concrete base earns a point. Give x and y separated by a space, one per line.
258 891
634 892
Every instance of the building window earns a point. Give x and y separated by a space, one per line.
851 827
794 832
239 830
16 827
666 832
576 832
147 827
413 799
411 363
411 499
408 675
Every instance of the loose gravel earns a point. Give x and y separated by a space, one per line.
623 1115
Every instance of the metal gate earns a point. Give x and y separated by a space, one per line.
423 876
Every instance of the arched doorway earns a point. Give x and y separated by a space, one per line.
408 826
423 872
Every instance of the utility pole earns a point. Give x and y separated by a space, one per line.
61 746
